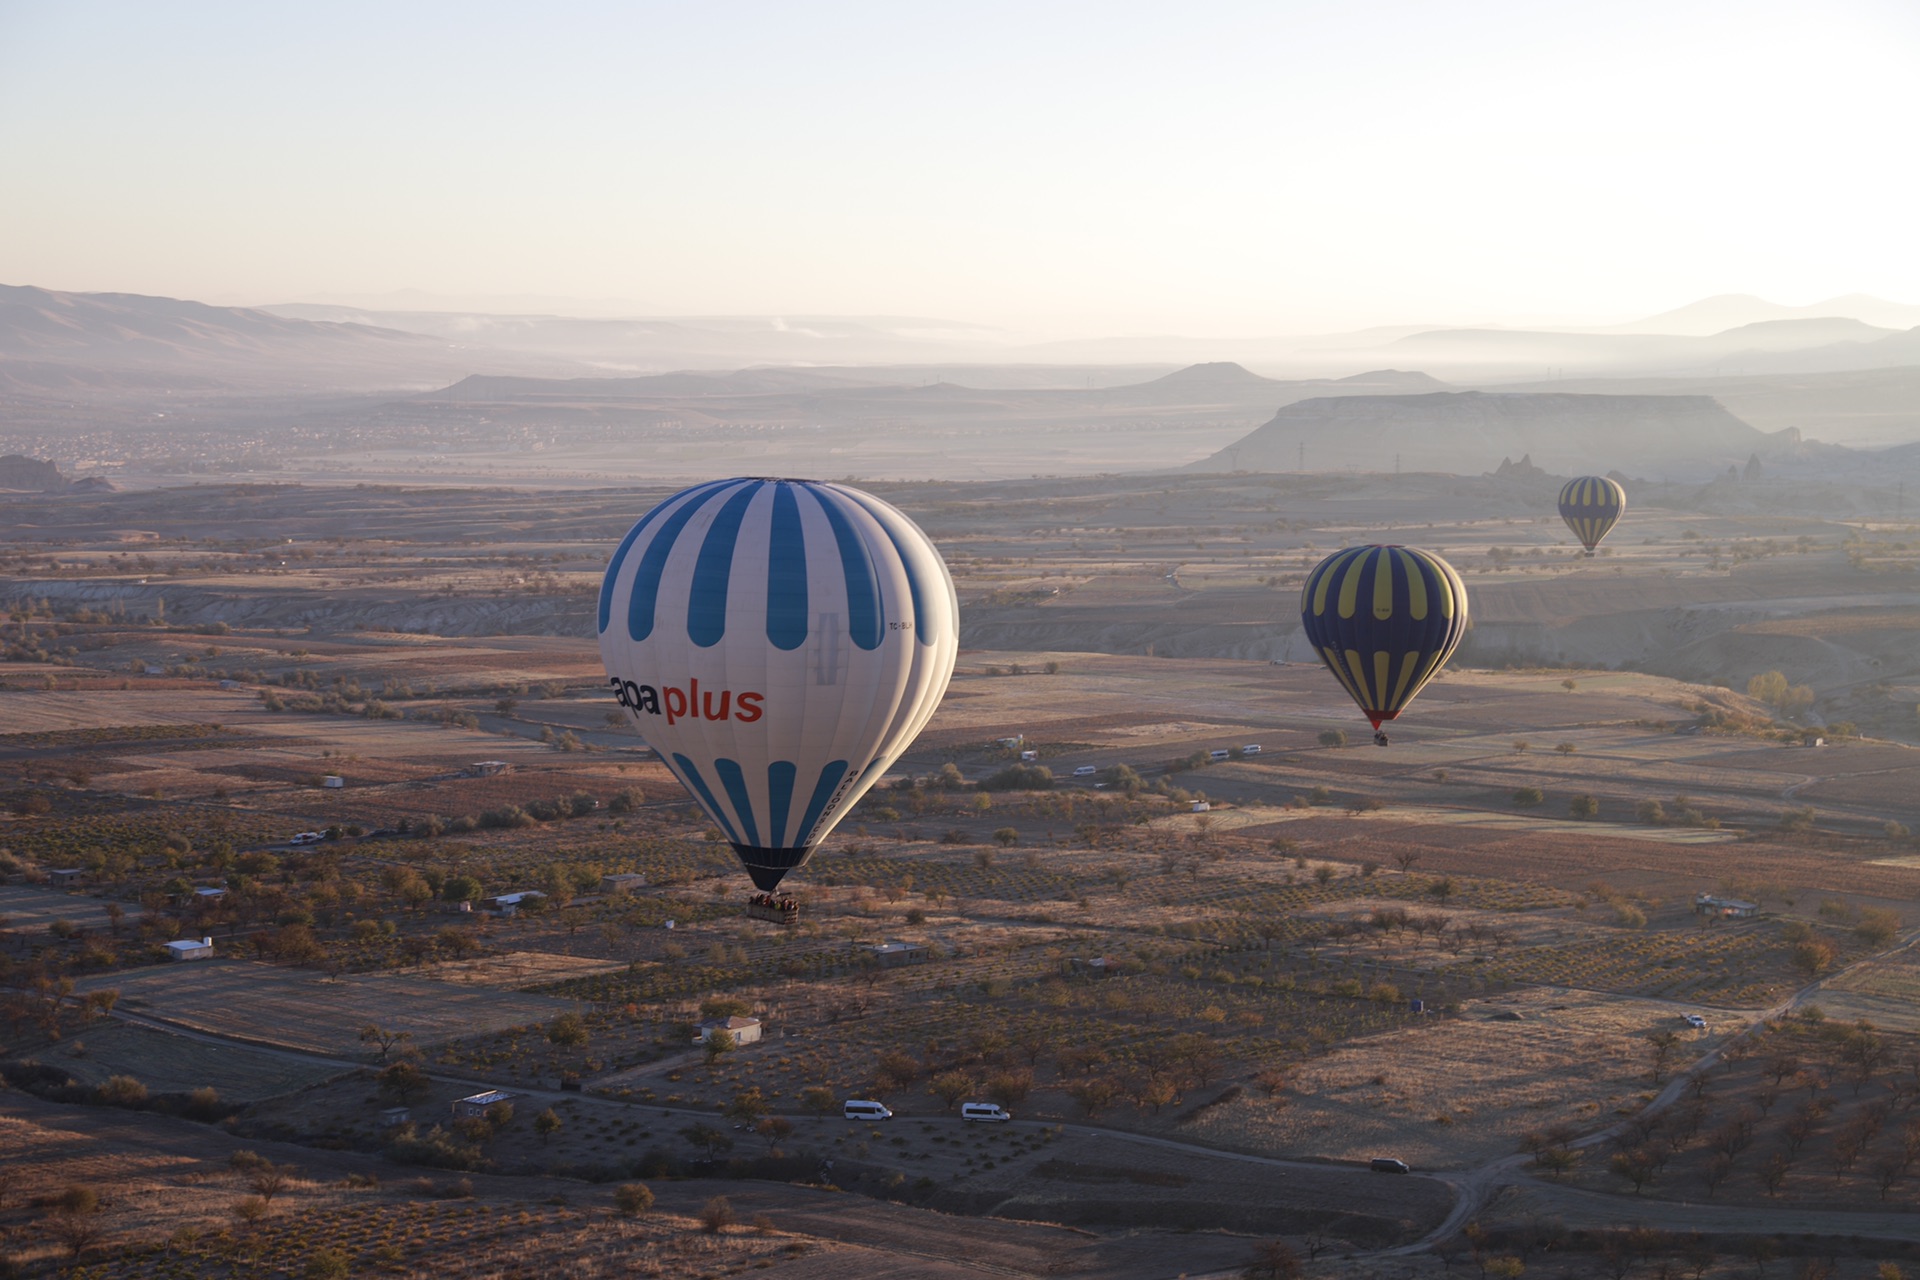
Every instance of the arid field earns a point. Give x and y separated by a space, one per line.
1474 951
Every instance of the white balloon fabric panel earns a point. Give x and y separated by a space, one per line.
779 643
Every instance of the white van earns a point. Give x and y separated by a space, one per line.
1086 771
1251 749
985 1111
1218 755
1028 757
862 1109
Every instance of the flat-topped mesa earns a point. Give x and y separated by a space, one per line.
1461 432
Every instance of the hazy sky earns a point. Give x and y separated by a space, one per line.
1261 167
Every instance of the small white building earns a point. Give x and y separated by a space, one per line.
67 877
743 1030
1705 904
622 882
507 904
394 1117
474 1106
333 781
190 949
204 894
892 955
487 768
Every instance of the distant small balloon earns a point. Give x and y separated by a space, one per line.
1384 619
779 643
1591 506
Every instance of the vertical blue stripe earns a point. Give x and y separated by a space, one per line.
713 570
626 545
822 792
736 785
691 776
786 573
646 579
921 630
864 623
780 776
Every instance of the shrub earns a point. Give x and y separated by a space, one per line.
1020 777
568 1030
1878 926
460 889
1528 797
1583 807
716 1215
631 1199
122 1091
328 1264
1333 738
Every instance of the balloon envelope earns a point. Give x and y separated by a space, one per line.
1384 619
779 643
1591 506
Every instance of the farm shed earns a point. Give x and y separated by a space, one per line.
205 894
394 1117
507 903
743 1030
624 882
190 949
333 781
1706 904
67 877
894 955
1094 967
487 768
474 1106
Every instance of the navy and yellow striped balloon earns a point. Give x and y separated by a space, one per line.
1591 506
1384 619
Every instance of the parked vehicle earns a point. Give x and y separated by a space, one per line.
307 837
984 1111
1221 754
1251 749
1387 1164
1697 1022
1085 771
864 1109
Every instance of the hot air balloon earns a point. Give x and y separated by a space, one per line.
1591 506
1384 619
779 643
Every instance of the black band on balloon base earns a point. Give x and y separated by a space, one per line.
769 867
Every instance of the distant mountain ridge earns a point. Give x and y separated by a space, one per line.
46 330
1467 432
1733 310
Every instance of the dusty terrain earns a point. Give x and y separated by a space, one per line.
1254 1038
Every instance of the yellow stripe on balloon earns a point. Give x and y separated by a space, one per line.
1407 666
1350 584
1416 584
1383 587
1332 659
1359 670
1325 581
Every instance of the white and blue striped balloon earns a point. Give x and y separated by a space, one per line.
779 643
